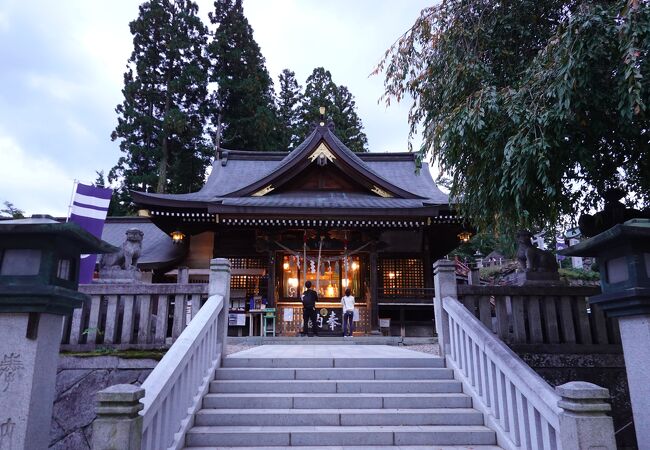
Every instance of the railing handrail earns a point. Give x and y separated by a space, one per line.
159 381
158 414
527 290
534 388
144 288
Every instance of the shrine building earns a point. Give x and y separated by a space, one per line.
371 222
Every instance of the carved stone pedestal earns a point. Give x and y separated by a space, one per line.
538 278
116 275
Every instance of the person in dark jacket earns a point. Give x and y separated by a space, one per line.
309 299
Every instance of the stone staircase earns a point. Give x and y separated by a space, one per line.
343 403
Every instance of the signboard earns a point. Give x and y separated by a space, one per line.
287 314
384 323
236 319
330 321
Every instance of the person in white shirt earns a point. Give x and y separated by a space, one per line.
348 313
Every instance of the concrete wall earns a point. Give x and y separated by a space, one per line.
77 381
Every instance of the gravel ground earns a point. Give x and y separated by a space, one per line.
431 349
230 349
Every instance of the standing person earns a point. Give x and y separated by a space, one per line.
309 299
348 313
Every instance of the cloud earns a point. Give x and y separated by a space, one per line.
63 62
56 87
4 22
36 184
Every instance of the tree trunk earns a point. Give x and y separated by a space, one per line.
162 170
164 157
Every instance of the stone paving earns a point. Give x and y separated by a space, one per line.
328 351
431 349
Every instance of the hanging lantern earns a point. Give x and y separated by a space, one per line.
285 265
330 291
355 265
464 236
178 237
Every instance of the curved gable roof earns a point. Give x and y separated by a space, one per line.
343 157
237 175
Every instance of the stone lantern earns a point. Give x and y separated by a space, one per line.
39 269
623 255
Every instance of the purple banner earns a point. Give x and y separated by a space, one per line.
560 245
89 209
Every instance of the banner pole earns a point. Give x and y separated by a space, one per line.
74 189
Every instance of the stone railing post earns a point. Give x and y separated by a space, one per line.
444 272
474 277
118 425
584 423
220 285
183 275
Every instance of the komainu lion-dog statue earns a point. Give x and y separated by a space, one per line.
127 256
531 258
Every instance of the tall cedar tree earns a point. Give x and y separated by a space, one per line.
340 107
117 206
162 119
534 109
245 89
288 101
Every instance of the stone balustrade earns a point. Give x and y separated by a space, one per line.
132 316
174 390
524 410
553 316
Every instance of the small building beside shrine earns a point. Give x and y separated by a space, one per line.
370 222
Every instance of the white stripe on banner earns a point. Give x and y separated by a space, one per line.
87 212
92 201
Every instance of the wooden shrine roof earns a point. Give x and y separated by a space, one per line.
253 182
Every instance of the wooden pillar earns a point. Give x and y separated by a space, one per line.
270 289
426 258
374 289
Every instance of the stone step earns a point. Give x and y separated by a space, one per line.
423 361
335 386
334 374
338 401
335 417
340 435
358 447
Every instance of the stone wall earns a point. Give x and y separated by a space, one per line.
77 381
604 369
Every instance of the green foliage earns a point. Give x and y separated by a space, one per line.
288 101
245 94
11 212
156 354
117 206
486 242
320 90
161 122
533 109
579 274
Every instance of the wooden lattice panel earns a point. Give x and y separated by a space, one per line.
247 263
397 274
249 283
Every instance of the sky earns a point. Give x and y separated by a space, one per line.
62 63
